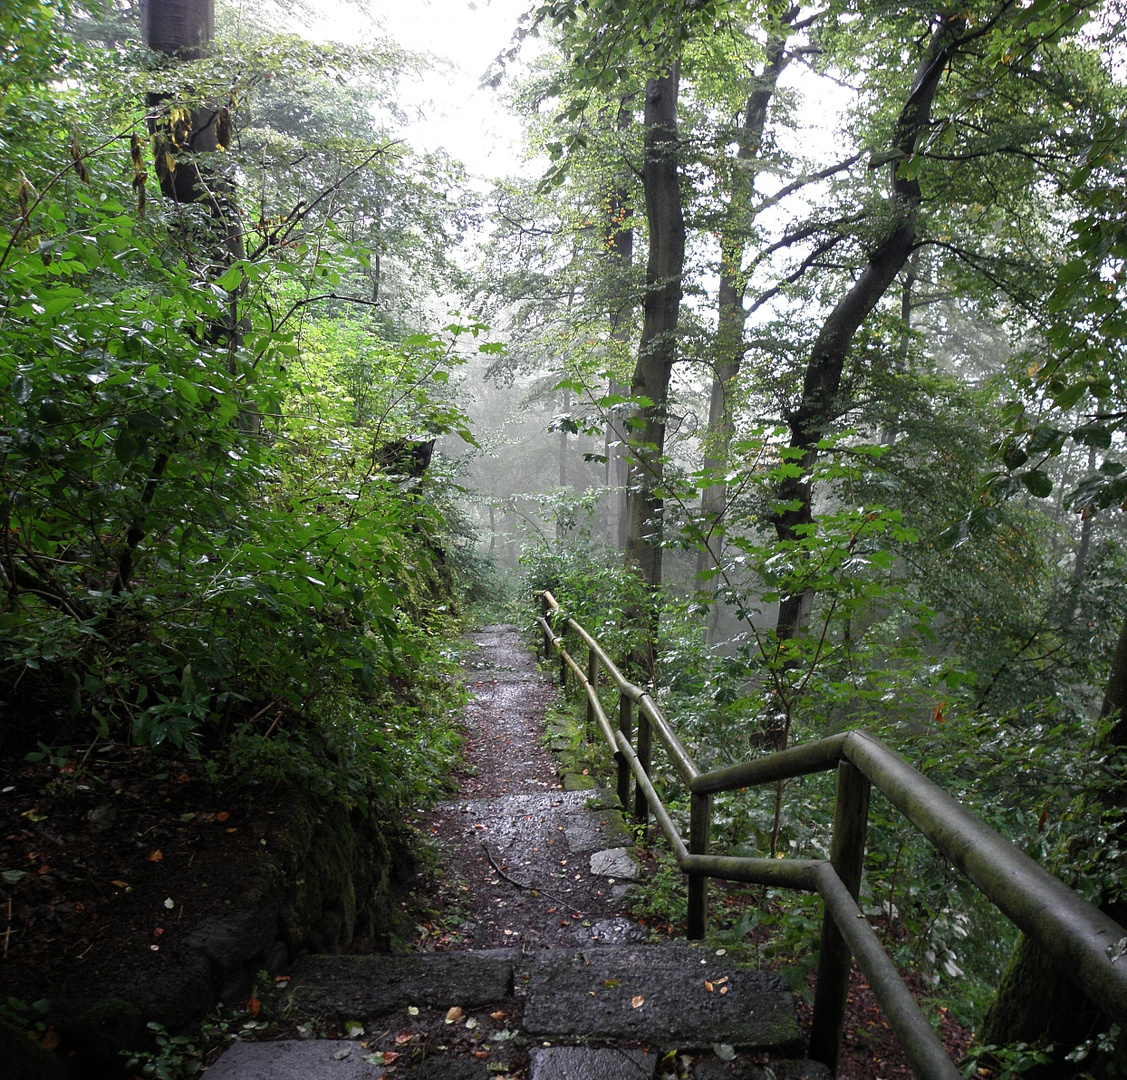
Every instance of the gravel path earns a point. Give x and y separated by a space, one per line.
520 861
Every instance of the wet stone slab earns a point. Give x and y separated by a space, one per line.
515 825
323 1059
657 993
615 863
330 1059
585 1063
365 986
800 1069
617 931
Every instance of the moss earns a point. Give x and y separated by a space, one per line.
340 866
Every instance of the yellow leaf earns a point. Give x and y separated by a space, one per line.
453 1013
637 1001
120 884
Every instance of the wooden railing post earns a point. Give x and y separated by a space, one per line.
593 683
563 663
700 831
847 855
644 750
547 631
626 726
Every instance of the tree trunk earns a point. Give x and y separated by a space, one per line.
1038 1003
658 346
621 246
731 316
182 28
810 421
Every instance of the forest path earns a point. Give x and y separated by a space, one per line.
522 862
529 966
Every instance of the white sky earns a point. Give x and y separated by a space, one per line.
454 111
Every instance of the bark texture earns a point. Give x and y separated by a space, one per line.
658 345
182 28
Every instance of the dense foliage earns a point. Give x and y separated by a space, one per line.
219 534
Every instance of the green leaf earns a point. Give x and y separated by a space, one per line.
1036 483
1097 435
232 279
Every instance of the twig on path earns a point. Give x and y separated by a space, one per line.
529 887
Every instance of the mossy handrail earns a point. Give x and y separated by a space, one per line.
1076 935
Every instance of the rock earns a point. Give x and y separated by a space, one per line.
365 986
577 782
618 931
102 817
587 1063
615 863
657 993
712 1068
324 1059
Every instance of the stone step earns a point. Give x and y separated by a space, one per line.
667 995
647 999
364 987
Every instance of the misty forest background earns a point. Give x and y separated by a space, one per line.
791 360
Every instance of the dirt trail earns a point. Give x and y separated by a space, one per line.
521 861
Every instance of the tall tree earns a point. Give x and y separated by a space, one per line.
729 348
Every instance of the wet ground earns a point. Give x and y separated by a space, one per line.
522 862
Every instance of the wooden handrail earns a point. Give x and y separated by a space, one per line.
1080 938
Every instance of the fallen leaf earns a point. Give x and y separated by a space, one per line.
471 1023
183 778
708 986
724 1051
169 903
723 989
498 1015
413 1010
233 830
281 978
389 1056
156 856
79 906
610 984
404 1037
637 1001
353 1029
340 1055
34 815
254 1006
50 1039
120 884
453 1013
481 1055
43 870
157 931
223 815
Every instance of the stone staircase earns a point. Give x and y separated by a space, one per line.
571 993
607 1012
